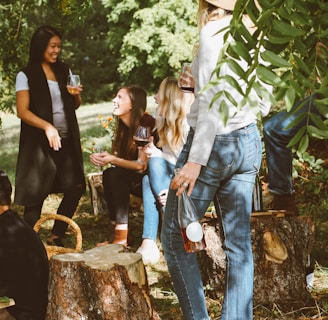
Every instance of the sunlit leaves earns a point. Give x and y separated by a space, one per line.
289 51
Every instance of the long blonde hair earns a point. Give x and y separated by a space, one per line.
208 12
173 106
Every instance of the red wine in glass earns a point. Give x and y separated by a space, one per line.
142 136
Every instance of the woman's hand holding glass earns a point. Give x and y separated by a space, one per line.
100 159
74 86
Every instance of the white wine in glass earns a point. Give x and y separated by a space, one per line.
73 84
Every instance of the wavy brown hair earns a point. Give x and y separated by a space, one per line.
123 145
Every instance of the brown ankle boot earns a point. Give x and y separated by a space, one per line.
121 237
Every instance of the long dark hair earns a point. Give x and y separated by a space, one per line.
39 42
5 189
123 144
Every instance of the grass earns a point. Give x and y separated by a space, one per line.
96 228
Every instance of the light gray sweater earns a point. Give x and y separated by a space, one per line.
206 121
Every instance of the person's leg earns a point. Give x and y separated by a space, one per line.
156 181
117 193
235 211
151 214
67 208
118 184
238 155
148 248
70 181
32 214
276 137
279 158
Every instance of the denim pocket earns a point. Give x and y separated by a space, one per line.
222 160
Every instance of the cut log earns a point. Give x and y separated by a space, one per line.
102 283
281 245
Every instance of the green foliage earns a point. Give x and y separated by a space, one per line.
18 20
159 36
288 51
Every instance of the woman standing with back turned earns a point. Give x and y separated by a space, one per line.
218 161
50 155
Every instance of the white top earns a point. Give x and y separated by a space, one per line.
206 121
59 117
166 152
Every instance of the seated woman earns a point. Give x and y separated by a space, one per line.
24 268
172 129
128 162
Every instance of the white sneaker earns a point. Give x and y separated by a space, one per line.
150 255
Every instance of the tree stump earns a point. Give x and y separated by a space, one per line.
102 283
281 246
97 193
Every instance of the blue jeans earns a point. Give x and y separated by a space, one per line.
229 178
279 158
159 176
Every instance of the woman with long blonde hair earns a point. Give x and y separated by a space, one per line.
172 129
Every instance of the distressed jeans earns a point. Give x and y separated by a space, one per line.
158 178
229 177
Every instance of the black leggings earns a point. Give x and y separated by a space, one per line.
118 184
67 181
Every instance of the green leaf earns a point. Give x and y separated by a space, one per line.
275 59
264 93
290 98
286 28
236 68
297 137
304 143
318 133
224 111
302 65
277 38
241 50
296 121
269 77
319 123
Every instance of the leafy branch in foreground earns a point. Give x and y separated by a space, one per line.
288 51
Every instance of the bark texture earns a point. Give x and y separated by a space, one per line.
102 283
281 245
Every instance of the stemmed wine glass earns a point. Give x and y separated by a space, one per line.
142 136
98 149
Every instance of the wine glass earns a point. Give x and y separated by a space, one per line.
73 84
142 136
98 149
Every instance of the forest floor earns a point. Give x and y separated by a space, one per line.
312 200
97 229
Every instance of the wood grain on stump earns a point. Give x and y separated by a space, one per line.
102 283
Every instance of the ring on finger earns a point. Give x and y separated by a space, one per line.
185 184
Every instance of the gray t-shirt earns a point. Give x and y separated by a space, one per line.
59 117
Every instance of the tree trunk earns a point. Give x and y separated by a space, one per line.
281 245
97 193
101 283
